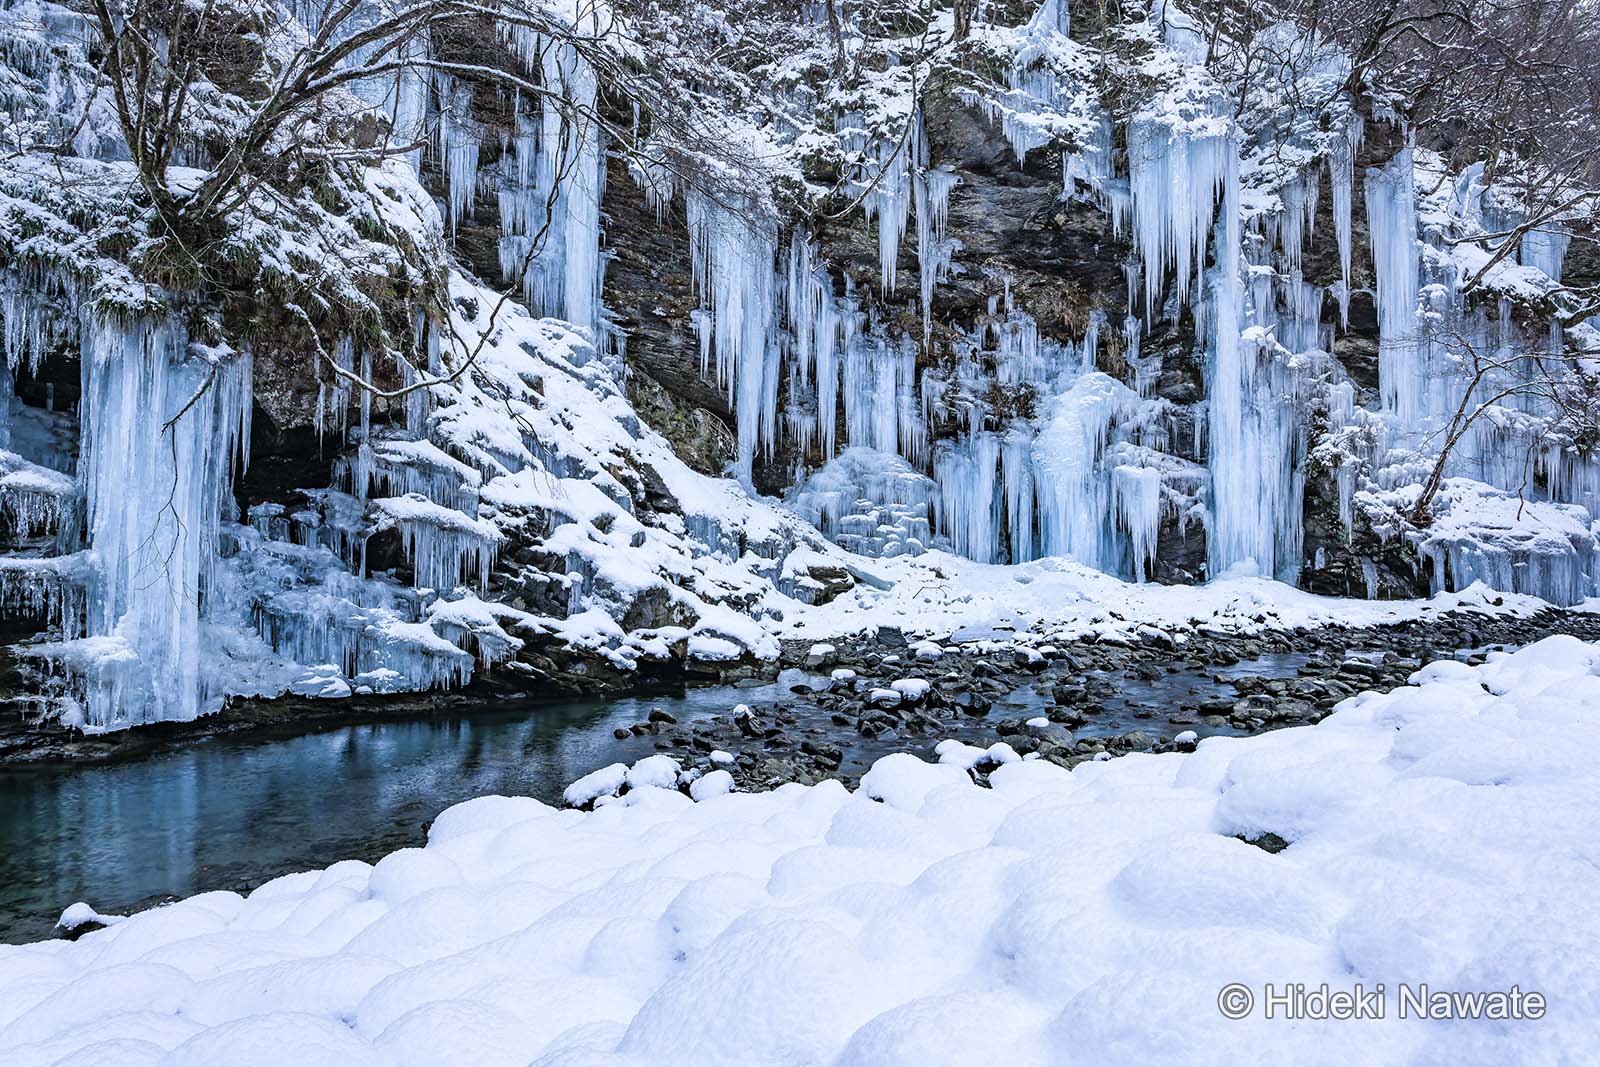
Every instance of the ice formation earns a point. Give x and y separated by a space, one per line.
734 251
552 181
996 438
1392 222
157 601
1098 483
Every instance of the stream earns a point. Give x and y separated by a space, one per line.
232 812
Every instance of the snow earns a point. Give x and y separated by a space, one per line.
1436 834
712 784
658 771
1049 601
81 914
913 689
607 781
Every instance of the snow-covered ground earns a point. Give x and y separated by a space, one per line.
937 594
1440 834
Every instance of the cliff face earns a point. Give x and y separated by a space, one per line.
575 390
1015 236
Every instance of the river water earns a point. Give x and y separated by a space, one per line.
232 812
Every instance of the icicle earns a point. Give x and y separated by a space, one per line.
1052 15
969 503
1392 220
1174 180
733 257
164 424
884 182
1341 172
551 184
1074 485
1137 493
407 101
1180 32
1255 507
458 138
446 547
1545 248
933 251
37 501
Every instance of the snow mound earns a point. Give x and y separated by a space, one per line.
1439 834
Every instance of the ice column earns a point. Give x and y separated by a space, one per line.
164 424
551 184
1254 511
1392 219
1174 175
1342 173
733 256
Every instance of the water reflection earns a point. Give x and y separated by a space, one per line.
230 813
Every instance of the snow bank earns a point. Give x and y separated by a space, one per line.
1056 600
1440 834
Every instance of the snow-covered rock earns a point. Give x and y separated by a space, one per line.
607 781
712 784
885 698
913 689
659 771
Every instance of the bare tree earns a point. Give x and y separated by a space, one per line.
1565 389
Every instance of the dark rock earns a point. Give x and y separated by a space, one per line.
892 637
1053 734
1267 842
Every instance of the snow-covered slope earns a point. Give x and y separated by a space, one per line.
1435 835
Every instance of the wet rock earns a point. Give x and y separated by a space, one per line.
820 656
829 756
885 698
972 704
662 716
1028 659
1052 734
1061 757
891 637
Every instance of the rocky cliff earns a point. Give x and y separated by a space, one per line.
572 349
